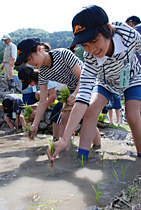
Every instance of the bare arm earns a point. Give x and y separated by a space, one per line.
40 110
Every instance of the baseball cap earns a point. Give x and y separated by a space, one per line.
24 47
133 18
85 24
6 37
24 74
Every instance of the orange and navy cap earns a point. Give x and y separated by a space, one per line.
24 47
85 24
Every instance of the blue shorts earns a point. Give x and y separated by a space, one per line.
132 93
29 98
114 102
56 113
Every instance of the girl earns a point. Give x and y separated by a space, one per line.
110 58
59 65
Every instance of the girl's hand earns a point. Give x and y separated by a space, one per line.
33 130
71 100
59 146
11 62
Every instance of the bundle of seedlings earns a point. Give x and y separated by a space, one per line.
51 149
28 111
64 94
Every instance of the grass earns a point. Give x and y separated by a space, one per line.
37 206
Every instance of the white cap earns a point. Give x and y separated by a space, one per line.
6 37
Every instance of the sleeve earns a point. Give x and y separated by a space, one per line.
51 84
69 58
14 51
87 81
138 42
18 106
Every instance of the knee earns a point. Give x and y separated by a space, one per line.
132 118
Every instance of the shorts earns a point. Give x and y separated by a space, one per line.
114 102
133 93
29 98
56 113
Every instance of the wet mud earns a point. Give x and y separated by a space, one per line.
26 178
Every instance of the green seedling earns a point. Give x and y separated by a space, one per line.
28 111
64 94
115 174
81 161
29 131
51 149
124 170
101 118
98 193
37 206
103 153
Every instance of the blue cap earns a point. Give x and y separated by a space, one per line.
86 22
24 47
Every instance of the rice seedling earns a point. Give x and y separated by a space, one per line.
29 132
51 149
103 153
124 170
115 175
48 204
28 111
81 161
64 94
98 193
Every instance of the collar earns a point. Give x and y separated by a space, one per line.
118 48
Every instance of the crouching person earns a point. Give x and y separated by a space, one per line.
13 109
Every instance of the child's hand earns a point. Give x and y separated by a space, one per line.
71 100
59 146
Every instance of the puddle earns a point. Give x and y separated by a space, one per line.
27 179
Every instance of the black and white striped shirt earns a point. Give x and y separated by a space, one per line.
106 71
63 60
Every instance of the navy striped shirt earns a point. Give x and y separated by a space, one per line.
106 71
63 60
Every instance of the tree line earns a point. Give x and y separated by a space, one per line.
56 39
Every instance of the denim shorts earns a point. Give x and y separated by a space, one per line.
29 98
132 93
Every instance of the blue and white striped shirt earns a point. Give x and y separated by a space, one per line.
106 71
63 60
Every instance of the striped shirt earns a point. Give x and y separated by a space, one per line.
63 60
106 71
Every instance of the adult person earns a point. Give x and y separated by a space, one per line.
10 52
109 50
135 23
59 65
13 109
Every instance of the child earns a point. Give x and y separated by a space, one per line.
59 65
110 58
12 106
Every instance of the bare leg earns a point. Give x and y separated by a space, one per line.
8 121
23 122
133 116
56 130
117 116
88 130
97 139
110 114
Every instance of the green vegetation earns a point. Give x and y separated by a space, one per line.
56 39
64 94
101 117
28 111
98 193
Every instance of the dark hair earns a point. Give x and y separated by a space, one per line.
34 76
133 21
105 30
46 48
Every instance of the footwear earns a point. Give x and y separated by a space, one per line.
95 147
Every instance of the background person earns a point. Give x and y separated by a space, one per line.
10 52
13 109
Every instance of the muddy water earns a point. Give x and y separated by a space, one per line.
26 177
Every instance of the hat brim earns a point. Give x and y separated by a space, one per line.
83 37
21 59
